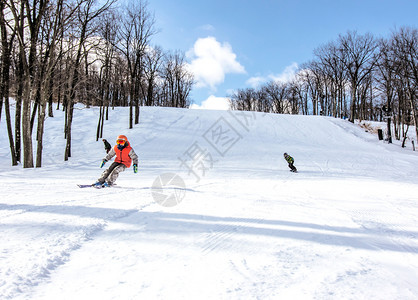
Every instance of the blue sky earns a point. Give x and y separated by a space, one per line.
233 44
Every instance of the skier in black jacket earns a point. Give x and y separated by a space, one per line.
107 145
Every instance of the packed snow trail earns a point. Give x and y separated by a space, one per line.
247 228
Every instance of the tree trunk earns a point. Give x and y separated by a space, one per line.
103 119
18 122
137 111
35 109
50 98
131 115
9 131
389 131
40 133
415 116
99 123
4 94
405 136
353 104
69 110
6 47
26 128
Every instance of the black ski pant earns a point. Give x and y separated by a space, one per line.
292 167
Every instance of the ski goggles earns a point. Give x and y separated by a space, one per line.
120 142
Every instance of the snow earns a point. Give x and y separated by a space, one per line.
242 226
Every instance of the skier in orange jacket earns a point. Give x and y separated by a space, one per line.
125 156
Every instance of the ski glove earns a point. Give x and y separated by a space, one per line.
102 163
135 168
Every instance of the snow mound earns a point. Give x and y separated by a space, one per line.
213 213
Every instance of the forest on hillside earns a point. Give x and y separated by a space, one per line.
81 51
354 77
100 53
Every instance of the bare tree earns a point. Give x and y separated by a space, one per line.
244 99
30 13
86 15
313 76
359 61
8 34
134 37
178 80
278 94
107 57
52 29
405 47
152 70
331 58
386 77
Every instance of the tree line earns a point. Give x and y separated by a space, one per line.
354 77
100 53
81 51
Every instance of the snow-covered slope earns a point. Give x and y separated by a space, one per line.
344 227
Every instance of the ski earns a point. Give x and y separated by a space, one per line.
82 186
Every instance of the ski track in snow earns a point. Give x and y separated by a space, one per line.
344 227
54 230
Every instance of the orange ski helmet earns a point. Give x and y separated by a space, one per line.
121 140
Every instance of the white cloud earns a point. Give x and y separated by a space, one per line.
213 103
287 75
211 61
255 81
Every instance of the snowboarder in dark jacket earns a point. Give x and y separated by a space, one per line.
290 161
107 145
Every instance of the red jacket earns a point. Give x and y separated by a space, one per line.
122 156
125 156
